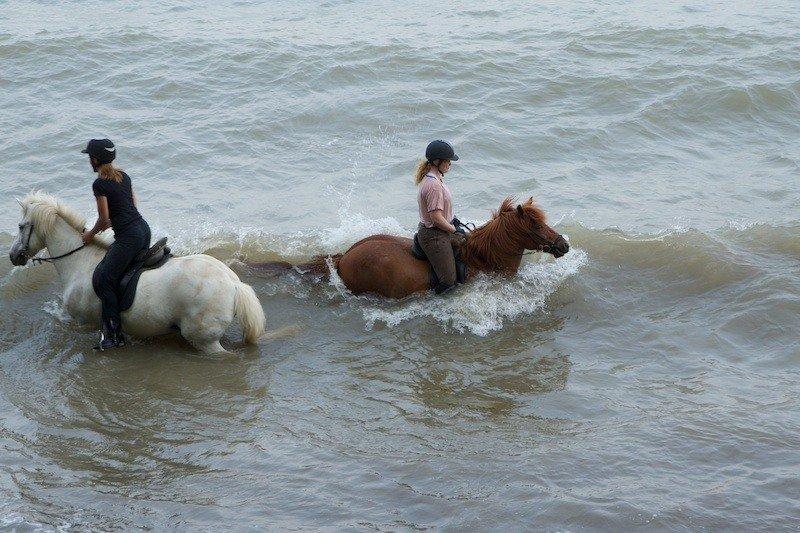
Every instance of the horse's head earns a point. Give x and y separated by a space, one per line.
536 233
28 241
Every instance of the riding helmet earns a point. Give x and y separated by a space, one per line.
101 149
440 150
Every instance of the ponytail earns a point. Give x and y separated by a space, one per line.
107 171
422 168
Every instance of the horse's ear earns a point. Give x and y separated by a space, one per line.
520 212
18 201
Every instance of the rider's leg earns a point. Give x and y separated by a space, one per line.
457 240
104 281
107 275
439 249
204 325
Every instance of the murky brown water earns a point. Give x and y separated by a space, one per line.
647 379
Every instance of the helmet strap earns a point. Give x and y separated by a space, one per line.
437 166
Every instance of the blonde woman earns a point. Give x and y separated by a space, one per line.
438 237
116 208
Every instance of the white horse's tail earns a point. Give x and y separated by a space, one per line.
248 310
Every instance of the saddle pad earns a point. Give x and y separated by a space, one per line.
129 282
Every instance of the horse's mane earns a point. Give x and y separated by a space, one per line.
489 245
44 209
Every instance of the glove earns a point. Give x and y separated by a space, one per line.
460 227
459 238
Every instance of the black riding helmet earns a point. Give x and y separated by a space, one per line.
101 149
440 150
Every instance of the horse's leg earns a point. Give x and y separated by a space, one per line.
205 327
204 338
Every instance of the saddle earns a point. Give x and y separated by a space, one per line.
461 267
149 259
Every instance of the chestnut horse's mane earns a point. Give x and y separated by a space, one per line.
493 243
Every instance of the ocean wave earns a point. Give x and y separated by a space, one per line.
685 260
608 244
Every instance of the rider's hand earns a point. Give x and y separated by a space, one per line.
86 237
459 226
459 238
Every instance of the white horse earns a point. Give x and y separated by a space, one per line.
198 294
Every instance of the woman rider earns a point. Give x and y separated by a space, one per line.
116 207
437 235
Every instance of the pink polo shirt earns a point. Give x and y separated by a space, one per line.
433 195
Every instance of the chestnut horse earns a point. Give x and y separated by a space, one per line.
383 264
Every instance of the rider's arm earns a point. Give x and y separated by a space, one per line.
440 222
103 220
432 196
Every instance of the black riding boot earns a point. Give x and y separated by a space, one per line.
111 336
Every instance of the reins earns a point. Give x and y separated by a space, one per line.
52 259
464 228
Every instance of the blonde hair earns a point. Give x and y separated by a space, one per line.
107 171
422 168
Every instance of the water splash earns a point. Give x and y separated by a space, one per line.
57 311
482 306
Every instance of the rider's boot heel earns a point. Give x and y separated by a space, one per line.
442 288
110 337
107 342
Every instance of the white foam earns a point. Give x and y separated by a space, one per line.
480 307
352 227
355 226
54 309
740 224
17 522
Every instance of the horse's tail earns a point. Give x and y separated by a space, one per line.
248 310
270 268
316 267
319 265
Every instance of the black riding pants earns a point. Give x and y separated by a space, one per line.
127 243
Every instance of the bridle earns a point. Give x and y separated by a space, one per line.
40 260
545 248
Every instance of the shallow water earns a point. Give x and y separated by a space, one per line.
647 379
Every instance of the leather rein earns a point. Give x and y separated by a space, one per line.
51 259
